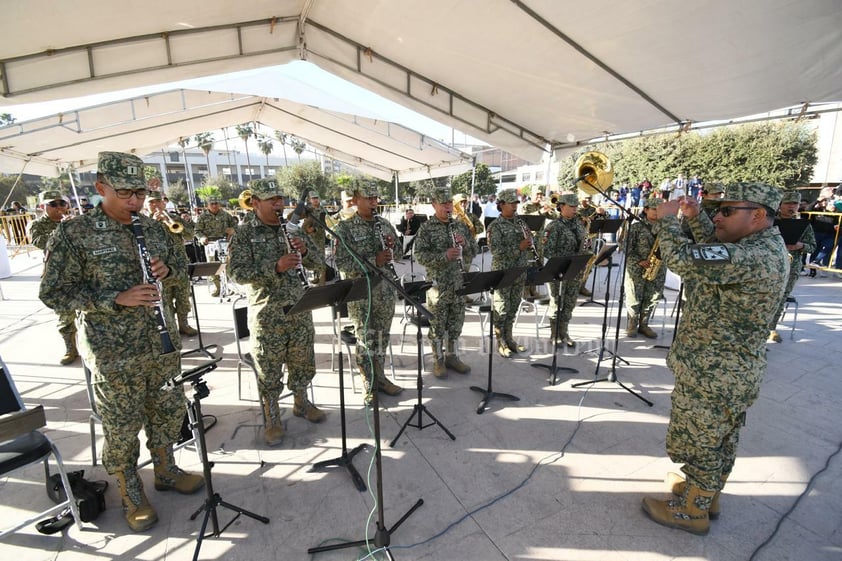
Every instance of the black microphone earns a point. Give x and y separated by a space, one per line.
300 210
582 177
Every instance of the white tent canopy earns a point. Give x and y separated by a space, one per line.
144 124
522 75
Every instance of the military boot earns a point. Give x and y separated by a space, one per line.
70 352
169 476
774 337
184 327
553 331
138 512
677 484
384 385
646 331
688 512
584 291
215 291
510 341
273 432
631 325
564 336
502 347
303 407
439 368
452 360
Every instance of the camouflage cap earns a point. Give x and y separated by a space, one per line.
715 189
365 190
313 195
791 197
154 196
459 197
47 196
122 171
508 196
569 199
265 189
753 192
653 202
441 195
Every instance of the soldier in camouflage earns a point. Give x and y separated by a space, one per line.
373 316
260 260
509 249
93 266
461 213
719 353
537 205
176 288
215 224
806 244
56 209
565 236
442 243
642 295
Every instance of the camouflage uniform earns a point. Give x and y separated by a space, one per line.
373 316
433 240
40 232
90 260
212 227
560 238
641 295
719 353
504 237
808 238
276 338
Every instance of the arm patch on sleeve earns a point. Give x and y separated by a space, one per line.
710 254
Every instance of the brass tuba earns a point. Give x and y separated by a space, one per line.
245 200
595 170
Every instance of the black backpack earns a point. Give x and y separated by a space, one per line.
90 495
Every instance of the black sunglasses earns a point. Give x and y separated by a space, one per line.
727 211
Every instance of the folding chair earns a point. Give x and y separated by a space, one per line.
22 444
790 300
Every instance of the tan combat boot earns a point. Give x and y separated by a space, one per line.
184 327
215 291
439 368
564 336
302 407
502 347
384 385
774 337
688 512
169 476
273 432
138 512
584 291
631 326
677 484
452 360
646 331
510 341
70 352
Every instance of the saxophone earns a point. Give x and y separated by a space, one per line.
650 272
461 215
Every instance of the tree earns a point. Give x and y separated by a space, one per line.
245 132
298 147
266 147
283 138
299 177
206 192
484 183
204 140
177 193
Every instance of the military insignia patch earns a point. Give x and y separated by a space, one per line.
710 254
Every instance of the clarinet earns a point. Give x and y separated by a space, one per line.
299 269
527 235
378 230
453 240
149 278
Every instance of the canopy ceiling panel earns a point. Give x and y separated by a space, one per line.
145 124
520 74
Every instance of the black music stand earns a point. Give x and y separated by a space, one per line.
791 229
480 282
333 295
601 226
414 289
534 221
200 270
565 268
214 499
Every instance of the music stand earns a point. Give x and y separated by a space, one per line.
565 268
337 294
791 229
534 221
601 226
480 282
214 499
415 289
200 270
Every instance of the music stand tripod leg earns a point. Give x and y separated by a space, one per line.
488 393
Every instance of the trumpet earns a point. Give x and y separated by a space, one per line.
171 223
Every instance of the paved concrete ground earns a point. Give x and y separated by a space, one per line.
557 475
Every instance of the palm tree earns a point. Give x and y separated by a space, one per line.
205 141
266 146
183 142
298 147
283 137
245 131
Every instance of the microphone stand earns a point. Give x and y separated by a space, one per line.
612 375
382 536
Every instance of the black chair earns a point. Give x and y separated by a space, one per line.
22 444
